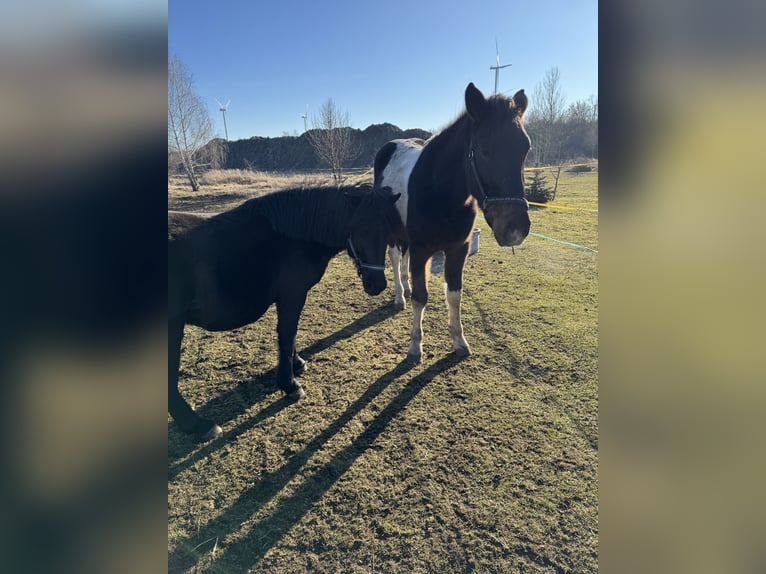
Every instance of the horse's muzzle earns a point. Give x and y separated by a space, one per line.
511 239
510 223
374 282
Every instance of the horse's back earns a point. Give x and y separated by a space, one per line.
393 166
213 270
181 222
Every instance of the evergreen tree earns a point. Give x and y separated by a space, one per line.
537 189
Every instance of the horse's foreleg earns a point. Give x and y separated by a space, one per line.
299 365
288 312
454 261
185 417
395 254
419 299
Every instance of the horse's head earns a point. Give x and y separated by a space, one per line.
374 218
497 147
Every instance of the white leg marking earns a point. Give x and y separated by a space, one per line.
406 275
455 324
395 254
416 344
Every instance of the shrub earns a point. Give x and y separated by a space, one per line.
537 189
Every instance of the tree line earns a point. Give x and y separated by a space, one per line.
560 133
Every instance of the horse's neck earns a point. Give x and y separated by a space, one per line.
320 217
445 158
326 221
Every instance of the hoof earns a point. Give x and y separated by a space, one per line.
299 367
214 432
462 351
414 359
296 394
400 305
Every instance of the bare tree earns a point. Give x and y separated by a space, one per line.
332 138
189 126
579 128
545 114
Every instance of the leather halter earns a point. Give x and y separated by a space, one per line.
360 265
485 199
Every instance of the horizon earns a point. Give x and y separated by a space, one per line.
272 62
297 135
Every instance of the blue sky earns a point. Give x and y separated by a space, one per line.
403 62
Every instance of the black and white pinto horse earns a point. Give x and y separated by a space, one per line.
477 159
226 270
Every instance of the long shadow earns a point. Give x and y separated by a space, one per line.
228 436
365 322
517 374
291 510
230 404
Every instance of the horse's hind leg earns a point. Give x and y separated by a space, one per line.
289 309
188 421
406 271
419 299
454 261
395 254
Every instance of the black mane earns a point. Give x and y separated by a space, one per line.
495 103
318 214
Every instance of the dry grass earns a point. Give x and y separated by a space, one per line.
486 464
219 178
222 189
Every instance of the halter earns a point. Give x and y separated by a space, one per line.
485 199
360 265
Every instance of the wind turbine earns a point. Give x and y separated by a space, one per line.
305 119
497 66
223 109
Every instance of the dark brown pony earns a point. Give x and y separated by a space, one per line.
477 161
226 270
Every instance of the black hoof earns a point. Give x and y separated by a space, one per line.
299 367
296 392
214 432
414 359
206 430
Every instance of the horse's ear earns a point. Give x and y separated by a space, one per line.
520 101
474 101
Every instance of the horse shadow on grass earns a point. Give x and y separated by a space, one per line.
245 552
230 404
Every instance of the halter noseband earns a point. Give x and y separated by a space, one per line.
360 265
485 199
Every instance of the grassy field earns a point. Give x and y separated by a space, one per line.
485 464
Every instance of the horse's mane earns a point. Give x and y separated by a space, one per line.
316 214
493 102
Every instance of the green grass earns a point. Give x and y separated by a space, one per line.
485 464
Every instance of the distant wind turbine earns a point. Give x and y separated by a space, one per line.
497 66
223 109
305 119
